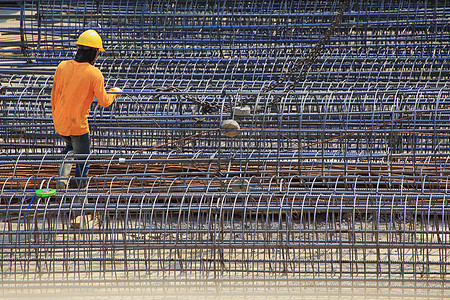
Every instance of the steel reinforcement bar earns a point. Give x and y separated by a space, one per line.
340 174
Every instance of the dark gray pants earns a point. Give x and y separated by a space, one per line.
80 144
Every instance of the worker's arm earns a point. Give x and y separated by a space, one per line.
103 98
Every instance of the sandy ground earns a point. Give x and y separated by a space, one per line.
12 21
216 290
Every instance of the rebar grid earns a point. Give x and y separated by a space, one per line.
345 176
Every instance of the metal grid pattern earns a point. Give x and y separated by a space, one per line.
344 176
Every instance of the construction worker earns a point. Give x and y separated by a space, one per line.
75 84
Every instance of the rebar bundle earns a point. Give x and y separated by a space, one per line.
340 169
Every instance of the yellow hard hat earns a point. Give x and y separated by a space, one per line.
90 38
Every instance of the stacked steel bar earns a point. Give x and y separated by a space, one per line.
342 172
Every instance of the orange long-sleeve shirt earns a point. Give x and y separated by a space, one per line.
74 87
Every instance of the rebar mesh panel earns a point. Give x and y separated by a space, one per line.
340 174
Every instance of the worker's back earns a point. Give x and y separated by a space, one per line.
74 88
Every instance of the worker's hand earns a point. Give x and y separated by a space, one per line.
115 89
